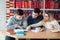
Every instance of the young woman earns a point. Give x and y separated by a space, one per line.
48 22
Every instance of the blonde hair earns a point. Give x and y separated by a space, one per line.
51 18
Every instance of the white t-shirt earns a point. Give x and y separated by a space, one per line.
48 25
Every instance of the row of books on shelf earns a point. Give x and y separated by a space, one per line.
49 4
29 4
52 4
56 14
26 13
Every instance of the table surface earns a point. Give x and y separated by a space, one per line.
37 35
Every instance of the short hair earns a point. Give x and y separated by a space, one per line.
37 10
20 12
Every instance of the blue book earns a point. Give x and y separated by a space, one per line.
20 33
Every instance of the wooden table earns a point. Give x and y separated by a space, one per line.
35 35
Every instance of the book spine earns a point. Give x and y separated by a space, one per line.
18 3
42 4
25 3
29 3
22 3
52 4
26 14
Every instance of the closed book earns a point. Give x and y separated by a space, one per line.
22 3
47 5
26 14
37 4
25 3
52 4
34 3
59 4
18 3
59 16
29 3
56 4
56 16
10 32
42 5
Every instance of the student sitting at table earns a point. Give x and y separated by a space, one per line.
35 17
48 22
16 21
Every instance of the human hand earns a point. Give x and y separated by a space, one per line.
20 27
28 28
52 26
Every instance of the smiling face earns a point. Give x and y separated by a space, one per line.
35 15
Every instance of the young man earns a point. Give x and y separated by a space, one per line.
16 21
35 17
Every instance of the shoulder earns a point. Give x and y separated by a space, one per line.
29 17
12 18
54 21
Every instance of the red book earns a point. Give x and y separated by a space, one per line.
26 14
59 16
34 3
29 3
52 4
47 5
22 3
59 4
18 3
42 4
25 3
56 16
56 4
37 4
10 32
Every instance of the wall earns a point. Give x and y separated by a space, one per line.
2 18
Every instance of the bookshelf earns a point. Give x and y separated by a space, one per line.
51 6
